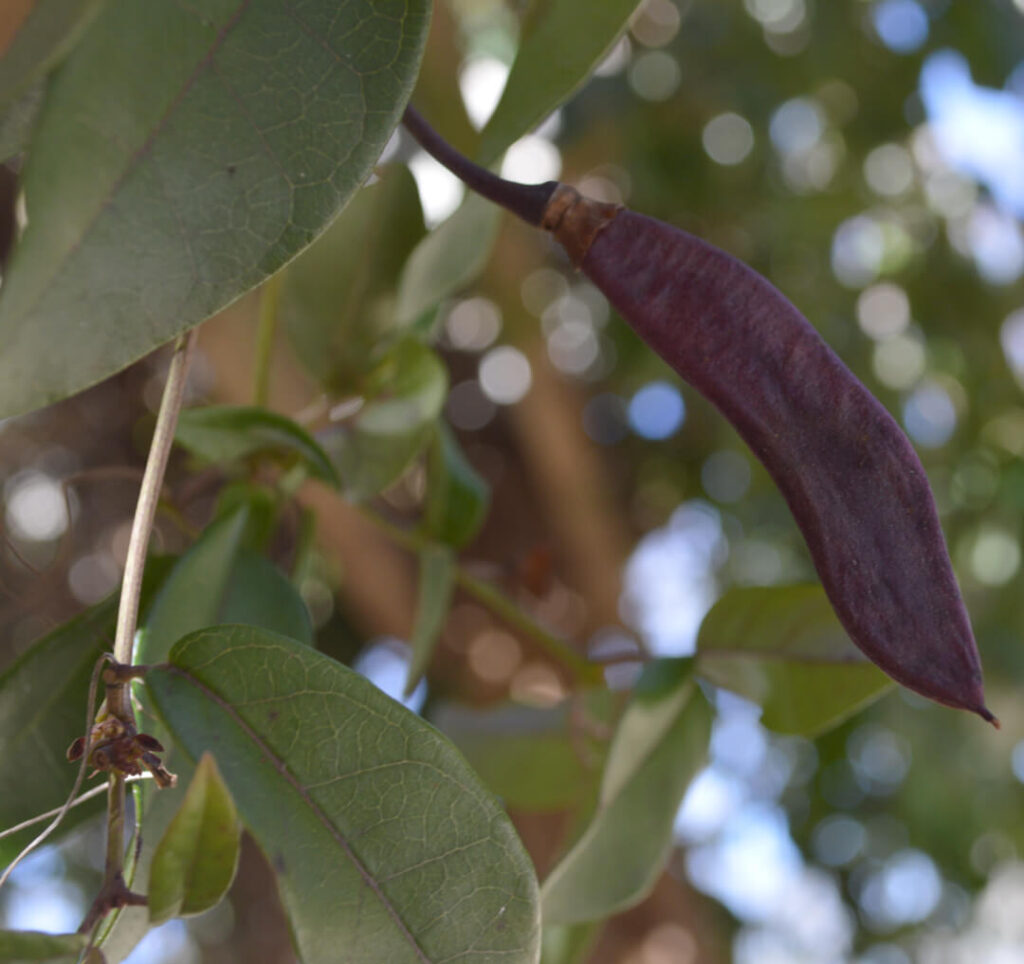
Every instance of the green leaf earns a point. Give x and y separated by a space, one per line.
42 710
240 133
262 503
561 42
47 33
457 495
437 581
338 297
229 433
197 856
658 748
784 648
193 593
24 946
259 594
533 758
448 259
405 393
391 848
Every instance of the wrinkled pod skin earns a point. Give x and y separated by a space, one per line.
849 474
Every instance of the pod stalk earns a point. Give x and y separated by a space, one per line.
526 201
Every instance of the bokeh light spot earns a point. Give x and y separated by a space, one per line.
995 557
655 75
883 310
725 476
36 509
728 138
929 415
657 411
889 170
473 324
481 82
902 25
899 362
505 375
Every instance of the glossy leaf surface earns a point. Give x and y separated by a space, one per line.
228 433
392 849
233 147
660 744
197 856
784 648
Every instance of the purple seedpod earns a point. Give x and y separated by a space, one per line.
850 476
848 472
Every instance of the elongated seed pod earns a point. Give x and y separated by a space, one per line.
849 474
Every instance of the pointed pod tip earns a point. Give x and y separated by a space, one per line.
988 716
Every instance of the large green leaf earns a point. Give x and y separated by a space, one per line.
228 433
561 42
240 131
20 947
390 849
338 298
197 856
448 259
47 33
784 648
405 393
659 746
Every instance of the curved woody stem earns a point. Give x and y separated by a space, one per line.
527 201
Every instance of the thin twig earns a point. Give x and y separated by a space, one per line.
84 798
149 494
114 892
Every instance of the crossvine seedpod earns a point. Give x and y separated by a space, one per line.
849 474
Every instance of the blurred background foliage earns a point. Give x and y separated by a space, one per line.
865 155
